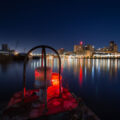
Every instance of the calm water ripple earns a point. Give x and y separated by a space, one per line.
95 80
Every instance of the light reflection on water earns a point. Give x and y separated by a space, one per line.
95 80
83 68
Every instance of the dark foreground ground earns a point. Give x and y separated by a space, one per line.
82 112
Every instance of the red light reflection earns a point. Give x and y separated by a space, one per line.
81 76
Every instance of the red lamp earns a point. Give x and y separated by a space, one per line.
81 42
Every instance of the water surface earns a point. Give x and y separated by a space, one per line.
96 81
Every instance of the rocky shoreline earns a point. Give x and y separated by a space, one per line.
82 112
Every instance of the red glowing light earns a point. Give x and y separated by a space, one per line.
37 74
81 43
52 91
55 82
55 79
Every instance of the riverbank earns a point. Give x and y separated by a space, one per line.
7 59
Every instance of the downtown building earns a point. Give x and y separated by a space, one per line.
84 50
110 51
5 50
112 48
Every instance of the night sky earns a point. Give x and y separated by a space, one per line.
61 24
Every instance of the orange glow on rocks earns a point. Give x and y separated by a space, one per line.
55 79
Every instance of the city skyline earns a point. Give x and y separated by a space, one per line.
25 24
88 46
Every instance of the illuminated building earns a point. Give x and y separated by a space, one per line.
79 48
68 53
112 48
89 47
5 50
107 52
61 51
88 53
5 47
86 50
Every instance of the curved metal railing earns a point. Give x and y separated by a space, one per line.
44 56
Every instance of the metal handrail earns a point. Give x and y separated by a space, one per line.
44 53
